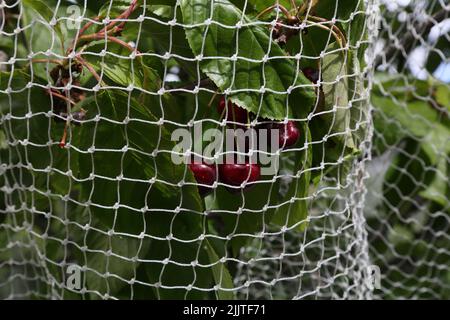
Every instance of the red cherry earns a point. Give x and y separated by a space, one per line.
235 174
234 113
204 174
311 73
289 134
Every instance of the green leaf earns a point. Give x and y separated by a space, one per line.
3 140
248 74
290 214
117 7
45 12
357 31
112 259
126 72
342 10
359 112
438 189
245 226
436 145
335 88
114 8
166 38
414 118
38 130
260 5
135 191
400 235
442 95
180 252
221 274
404 174
162 11
400 116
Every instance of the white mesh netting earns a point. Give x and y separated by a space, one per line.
408 200
117 118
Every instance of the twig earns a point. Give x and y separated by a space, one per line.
106 29
99 36
88 25
125 15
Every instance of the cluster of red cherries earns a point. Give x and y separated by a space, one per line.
240 174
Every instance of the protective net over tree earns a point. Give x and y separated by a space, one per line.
224 149
407 206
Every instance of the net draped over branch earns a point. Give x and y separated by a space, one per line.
118 177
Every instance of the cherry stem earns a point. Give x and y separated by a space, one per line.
279 6
293 4
321 26
212 99
90 68
60 96
306 6
333 26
